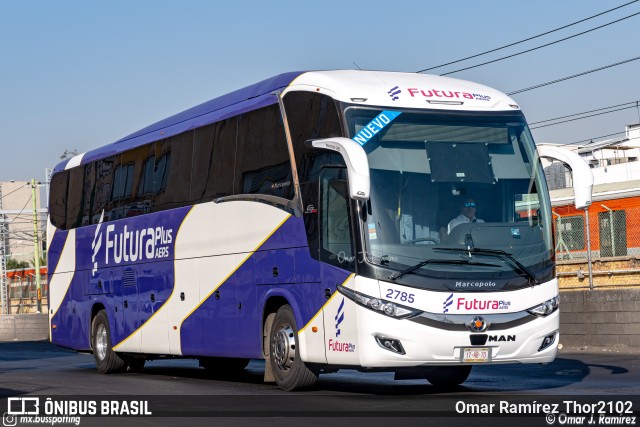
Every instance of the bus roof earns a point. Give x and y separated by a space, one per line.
374 88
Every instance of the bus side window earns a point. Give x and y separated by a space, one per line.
335 229
58 200
262 159
74 197
214 150
173 172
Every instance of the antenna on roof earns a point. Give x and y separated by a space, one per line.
354 63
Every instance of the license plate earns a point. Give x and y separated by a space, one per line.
475 355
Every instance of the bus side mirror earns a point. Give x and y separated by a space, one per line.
356 161
582 174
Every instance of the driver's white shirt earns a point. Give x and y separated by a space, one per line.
460 219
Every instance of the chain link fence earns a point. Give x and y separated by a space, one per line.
613 233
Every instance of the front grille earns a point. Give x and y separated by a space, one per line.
459 322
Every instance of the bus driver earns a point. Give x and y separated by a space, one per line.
467 214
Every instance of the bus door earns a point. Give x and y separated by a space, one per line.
338 260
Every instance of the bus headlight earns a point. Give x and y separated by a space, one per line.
546 308
379 305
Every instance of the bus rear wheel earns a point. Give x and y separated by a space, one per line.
289 370
448 376
107 360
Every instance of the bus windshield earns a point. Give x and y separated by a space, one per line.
454 195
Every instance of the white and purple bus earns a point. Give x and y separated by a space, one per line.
306 220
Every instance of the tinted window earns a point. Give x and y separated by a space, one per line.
88 193
337 245
262 160
74 199
311 116
58 199
105 170
214 151
122 182
247 154
148 171
172 173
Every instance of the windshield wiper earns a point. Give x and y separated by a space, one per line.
437 261
505 256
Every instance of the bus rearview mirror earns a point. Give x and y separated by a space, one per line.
356 160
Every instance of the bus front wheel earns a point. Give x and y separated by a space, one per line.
107 360
289 370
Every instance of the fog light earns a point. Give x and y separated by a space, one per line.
390 344
547 341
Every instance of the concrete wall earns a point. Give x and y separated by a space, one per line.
24 327
600 318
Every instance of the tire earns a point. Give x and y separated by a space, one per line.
448 376
289 370
107 360
223 364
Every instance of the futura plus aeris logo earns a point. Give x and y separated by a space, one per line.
96 245
465 303
447 303
419 93
339 317
336 345
117 243
394 92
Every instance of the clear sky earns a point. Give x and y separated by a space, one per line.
80 74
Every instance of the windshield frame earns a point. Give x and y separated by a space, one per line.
509 278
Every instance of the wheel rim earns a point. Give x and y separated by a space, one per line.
284 347
101 341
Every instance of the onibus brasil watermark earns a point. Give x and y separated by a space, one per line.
565 412
34 410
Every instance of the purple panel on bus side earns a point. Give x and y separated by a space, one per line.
212 329
139 240
291 234
119 262
226 327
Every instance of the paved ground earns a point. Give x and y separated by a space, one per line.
179 388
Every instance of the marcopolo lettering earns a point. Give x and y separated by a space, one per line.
475 284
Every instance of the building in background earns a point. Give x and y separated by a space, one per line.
17 212
612 160
613 219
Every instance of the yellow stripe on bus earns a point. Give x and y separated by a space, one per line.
325 304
